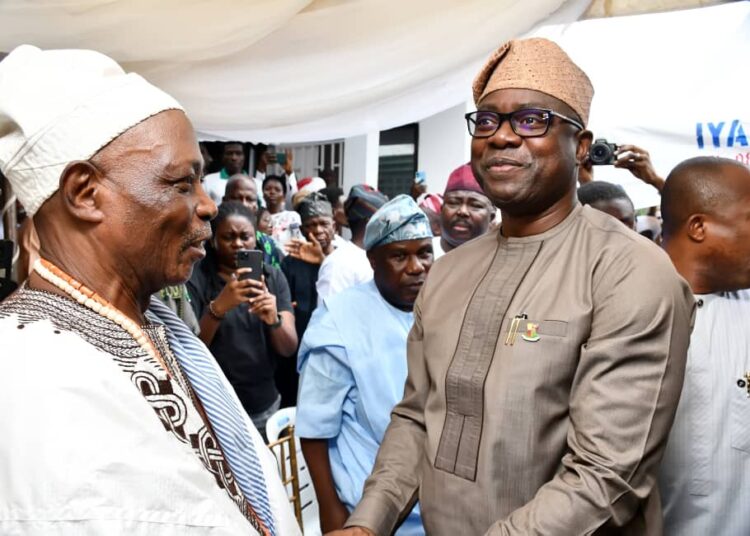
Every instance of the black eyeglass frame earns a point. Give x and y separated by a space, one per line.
502 117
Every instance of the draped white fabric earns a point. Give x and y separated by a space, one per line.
290 70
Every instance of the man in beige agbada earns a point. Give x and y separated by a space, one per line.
546 360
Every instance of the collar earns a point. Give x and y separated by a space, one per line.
549 233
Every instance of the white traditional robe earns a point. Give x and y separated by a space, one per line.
84 453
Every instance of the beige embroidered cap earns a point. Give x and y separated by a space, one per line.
537 64
57 106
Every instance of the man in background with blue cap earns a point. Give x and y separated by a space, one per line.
352 362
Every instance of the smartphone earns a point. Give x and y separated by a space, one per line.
253 259
281 158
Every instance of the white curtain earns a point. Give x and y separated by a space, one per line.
290 70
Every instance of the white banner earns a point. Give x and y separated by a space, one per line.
676 84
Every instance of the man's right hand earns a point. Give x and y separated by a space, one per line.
351 531
638 162
310 252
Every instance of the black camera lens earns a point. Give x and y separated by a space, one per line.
602 153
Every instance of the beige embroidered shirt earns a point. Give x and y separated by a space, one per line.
560 435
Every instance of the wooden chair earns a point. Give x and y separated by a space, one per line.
286 456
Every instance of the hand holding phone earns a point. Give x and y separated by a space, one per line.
251 259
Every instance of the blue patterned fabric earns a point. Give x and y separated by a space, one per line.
227 421
399 219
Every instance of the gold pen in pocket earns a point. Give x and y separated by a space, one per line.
510 339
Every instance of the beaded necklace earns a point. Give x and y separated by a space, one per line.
90 299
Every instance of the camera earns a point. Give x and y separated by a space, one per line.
602 153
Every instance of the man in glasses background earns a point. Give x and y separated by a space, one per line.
546 359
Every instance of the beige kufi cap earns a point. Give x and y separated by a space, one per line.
57 106
537 64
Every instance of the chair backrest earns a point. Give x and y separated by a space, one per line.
280 424
286 455
280 421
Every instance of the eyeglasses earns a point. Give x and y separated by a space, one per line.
526 123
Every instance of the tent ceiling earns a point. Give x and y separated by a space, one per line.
298 70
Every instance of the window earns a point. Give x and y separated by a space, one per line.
398 159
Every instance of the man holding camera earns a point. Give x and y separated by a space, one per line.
630 157
540 400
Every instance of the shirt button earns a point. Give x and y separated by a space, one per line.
741 384
700 303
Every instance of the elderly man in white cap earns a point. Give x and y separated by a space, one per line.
115 419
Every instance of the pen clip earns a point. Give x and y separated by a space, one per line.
510 339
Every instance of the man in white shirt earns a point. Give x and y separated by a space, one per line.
233 161
115 418
706 467
348 264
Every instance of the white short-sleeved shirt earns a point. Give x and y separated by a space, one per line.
705 473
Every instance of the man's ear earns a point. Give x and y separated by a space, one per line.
697 227
584 139
80 189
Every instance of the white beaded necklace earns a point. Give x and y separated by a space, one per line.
92 301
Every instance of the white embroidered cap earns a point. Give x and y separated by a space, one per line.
57 106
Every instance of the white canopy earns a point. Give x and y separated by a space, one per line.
290 70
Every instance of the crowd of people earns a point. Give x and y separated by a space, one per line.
522 353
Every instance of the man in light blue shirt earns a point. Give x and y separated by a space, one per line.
352 362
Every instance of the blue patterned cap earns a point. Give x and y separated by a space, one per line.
398 220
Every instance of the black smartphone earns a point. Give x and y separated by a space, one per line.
253 259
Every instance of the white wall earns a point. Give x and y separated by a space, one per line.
444 144
361 160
